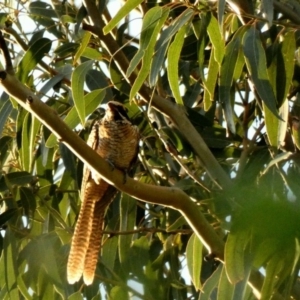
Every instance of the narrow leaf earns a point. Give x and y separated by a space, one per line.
211 284
234 255
216 38
151 36
32 57
221 10
226 77
127 222
173 60
122 13
84 42
150 22
210 83
5 111
225 288
287 50
194 259
25 156
77 80
267 10
10 254
163 43
256 64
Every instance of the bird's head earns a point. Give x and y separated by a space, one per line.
116 111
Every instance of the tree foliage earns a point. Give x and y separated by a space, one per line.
213 212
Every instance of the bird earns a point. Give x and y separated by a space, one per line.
116 140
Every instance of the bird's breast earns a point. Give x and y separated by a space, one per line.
118 143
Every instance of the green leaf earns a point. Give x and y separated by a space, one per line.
173 60
273 268
91 53
286 63
257 66
221 10
150 30
216 39
25 156
211 284
152 26
225 288
127 222
7 215
83 45
267 10
234 256
276 128
23 288
32 57
42 13
163 43
226 77
30 130
15 178
92 100
28 200
10 254
210 83
78 78
122 13
194 259
179 222
5 111
67 49
109 252
42 9
118 293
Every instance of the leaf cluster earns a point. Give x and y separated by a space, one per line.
232 76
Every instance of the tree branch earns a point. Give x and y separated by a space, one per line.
173 111
170 197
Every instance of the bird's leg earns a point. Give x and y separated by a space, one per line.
125 174
111 164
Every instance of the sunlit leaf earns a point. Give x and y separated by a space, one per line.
288 52
78 78
83 45
216 38
194 259
173 60
256 64
163 43
122 12
210 83
5 111
211 284
225 288
152 25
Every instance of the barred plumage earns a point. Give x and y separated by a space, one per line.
116 140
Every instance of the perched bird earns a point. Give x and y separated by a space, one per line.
115 139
